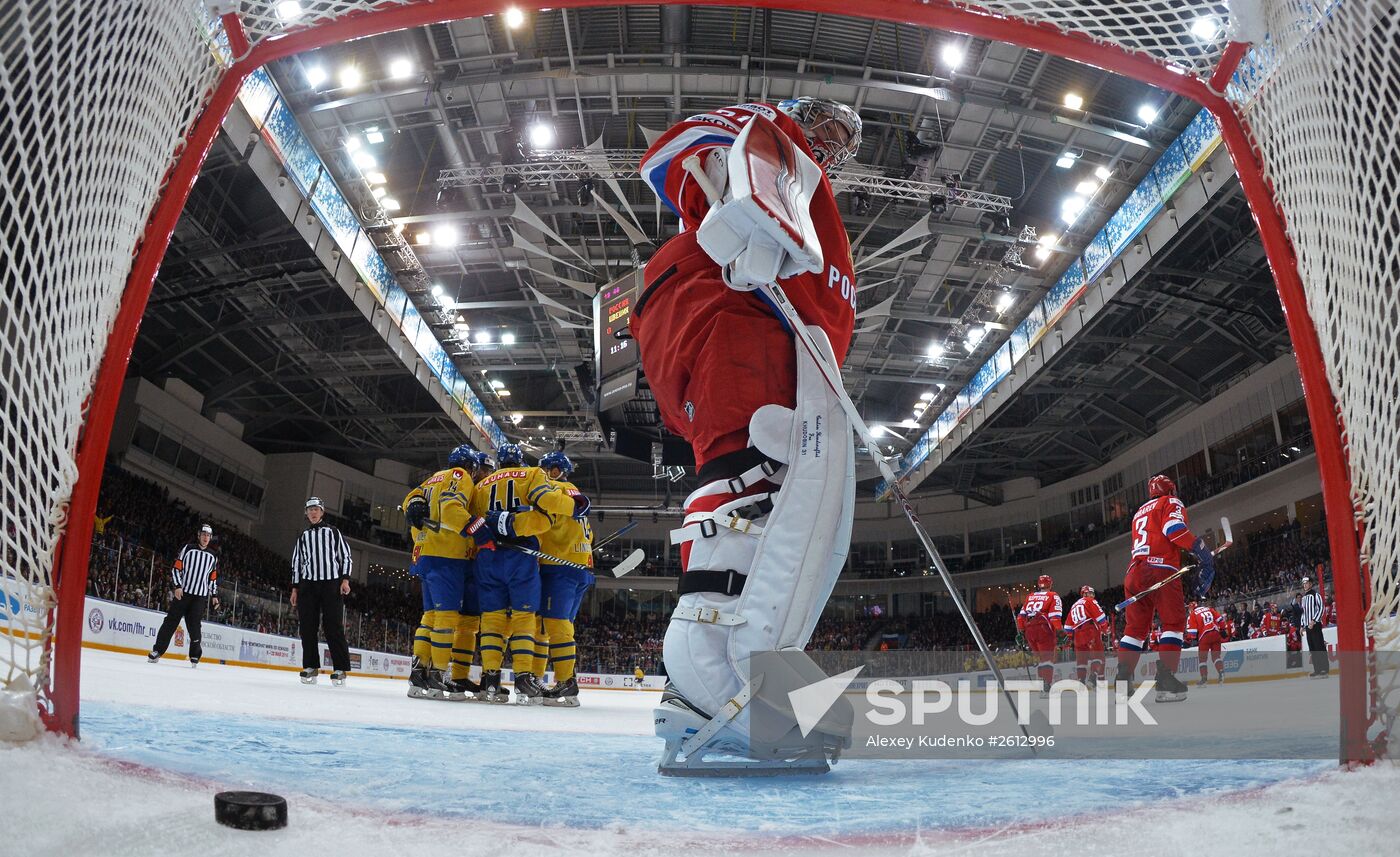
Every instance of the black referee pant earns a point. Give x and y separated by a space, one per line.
191 609
1318 647
319 602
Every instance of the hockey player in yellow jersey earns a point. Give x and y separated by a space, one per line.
440 562
460 687
562 587
519 504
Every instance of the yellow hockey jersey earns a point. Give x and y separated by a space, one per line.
568 539
448 494
543 502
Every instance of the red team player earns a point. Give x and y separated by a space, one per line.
1160 533
1203 627
766 534
1086 626
1040 620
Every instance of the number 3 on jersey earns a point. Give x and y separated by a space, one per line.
510 496
1140 547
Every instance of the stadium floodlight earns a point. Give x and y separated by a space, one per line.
379 191
1147 114
1066 160
877 430
540 427
517 417
375 178
952 55
424 238
445 235
1102 173
541 135
974 336
374 135
936 351
1205 28
503 393
352 143
1072 207
1074 101
315 76
1086 187
289 10
1048 240
351 77
926 396
364 160
1005 301
438 291
910 423
400 68
1042 253
507 338
482 337
514 18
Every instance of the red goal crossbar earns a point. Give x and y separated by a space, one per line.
1351 584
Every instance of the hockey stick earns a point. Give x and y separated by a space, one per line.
621 531
832 375
1184 570
629 564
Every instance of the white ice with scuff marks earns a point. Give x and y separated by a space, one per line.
367 771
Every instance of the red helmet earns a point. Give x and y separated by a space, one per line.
1161 485
1086 591
1191 606
1044 581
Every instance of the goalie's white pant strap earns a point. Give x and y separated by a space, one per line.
707 616
721 719
708 524
767 469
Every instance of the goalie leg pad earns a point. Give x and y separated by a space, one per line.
773 568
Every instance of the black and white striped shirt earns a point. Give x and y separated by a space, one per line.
1312 608
320 554
196 571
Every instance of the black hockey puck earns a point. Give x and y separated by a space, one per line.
250 810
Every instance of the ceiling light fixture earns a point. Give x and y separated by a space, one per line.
1074 101
1205 28
936 351
1147 114
952 55
1102 173
507 338
1086 187
514 18
400 68
315 76
289 10
1066 160
350 77
541 135
445 235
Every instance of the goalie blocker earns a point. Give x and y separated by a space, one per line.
766 534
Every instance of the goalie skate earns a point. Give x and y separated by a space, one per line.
701 746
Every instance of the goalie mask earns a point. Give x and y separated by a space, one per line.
832 129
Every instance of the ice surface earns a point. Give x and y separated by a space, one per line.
367 771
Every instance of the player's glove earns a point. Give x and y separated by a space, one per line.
479 531
501 522
1205 574
416 513
581 506
1020 639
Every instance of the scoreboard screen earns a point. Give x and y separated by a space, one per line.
612 312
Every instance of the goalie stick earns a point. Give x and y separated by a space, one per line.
780 303
628 564
1181 572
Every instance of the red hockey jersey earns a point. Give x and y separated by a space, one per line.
1041 607
1086 613
1160 533
827 299
1203 620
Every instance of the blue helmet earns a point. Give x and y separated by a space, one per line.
559 460
509 453
461 456
481 459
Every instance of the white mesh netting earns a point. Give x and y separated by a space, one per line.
1319 97
92 108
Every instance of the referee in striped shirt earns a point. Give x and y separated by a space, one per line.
1312 608
196 578
320 580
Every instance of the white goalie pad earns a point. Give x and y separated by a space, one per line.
790 557
762 229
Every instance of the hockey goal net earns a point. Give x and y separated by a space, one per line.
107 116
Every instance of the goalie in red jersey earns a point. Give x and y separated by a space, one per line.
1160 533
766 534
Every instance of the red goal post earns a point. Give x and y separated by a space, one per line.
165 72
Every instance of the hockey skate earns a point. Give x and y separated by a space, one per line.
194 662
152 658
528 690
1169 687
491 690
462 690
1220 679
308 676
698 745
562 695
418 681
338 678
1203 682
436 687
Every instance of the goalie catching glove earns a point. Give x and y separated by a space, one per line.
761 230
